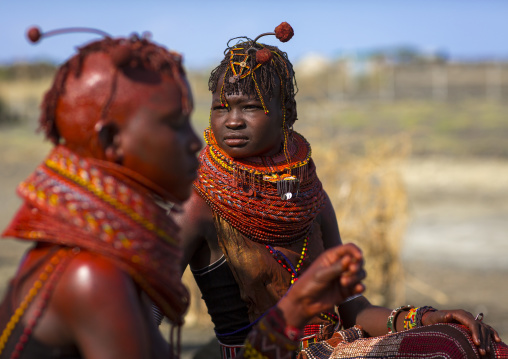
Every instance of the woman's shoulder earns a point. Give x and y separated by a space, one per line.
90 275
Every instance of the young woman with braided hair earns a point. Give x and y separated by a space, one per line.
259 216
96 211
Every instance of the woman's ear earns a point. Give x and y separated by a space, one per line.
108 135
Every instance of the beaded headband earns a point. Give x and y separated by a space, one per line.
249 55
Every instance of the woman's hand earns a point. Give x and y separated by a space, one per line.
482 333
333 277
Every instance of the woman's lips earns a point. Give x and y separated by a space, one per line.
235 142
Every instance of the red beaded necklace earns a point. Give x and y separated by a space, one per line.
81 202
247 192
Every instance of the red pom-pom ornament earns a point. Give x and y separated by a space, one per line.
263 56
284 32
34 34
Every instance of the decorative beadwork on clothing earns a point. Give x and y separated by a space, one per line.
451 341
244 192
93 205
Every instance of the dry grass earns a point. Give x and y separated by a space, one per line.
370 202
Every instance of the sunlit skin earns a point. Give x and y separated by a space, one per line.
159 142
242 130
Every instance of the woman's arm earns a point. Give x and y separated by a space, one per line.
196 226
329 226
334 276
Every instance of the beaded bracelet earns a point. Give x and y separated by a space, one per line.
421 312
392 318
410 319
277 322
413 319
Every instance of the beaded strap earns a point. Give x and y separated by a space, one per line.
45 283
392 318
286 263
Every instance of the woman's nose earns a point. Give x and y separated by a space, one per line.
194 142
235 119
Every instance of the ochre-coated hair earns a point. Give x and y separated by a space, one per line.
131 52
276 67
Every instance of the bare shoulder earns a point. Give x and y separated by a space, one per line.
195 219
197 232
92 280
91 301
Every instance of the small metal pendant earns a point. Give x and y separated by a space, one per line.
233 79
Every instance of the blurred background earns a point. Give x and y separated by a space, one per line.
405 104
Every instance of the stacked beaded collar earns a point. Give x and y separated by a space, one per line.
247 193
97 206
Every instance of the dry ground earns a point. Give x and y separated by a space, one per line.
455 250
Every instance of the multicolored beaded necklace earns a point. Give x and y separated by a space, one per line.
286 263
247 193
97 206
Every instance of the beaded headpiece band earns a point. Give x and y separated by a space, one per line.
249 55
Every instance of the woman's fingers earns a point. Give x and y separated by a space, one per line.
330 273
481 333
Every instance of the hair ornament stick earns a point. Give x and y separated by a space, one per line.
34 33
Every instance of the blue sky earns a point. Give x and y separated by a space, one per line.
200 29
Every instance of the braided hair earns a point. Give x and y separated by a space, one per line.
266 66
134 52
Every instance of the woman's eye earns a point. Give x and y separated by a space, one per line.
253 107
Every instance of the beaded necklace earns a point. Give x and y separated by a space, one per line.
78 202
247 192
286 263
